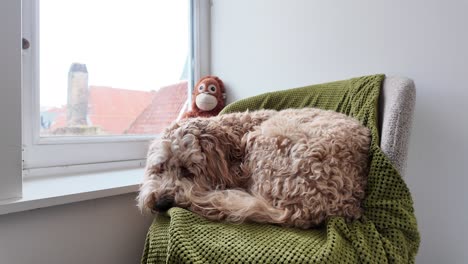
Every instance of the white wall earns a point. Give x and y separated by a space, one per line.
265 45
108 230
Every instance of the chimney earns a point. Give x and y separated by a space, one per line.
77 103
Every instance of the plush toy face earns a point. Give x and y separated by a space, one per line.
209 94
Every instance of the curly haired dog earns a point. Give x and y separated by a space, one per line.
295 167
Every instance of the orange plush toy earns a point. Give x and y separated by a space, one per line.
207 98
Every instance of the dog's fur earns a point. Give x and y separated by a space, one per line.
293 167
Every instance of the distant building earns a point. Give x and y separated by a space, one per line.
77 100
121 111
167 105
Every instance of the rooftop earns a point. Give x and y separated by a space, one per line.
121 111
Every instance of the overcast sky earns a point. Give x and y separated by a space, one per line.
137 44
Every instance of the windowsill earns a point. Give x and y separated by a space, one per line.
40 192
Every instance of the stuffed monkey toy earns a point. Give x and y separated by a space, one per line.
207 98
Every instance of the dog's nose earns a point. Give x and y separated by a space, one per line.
164 204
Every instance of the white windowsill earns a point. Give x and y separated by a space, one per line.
40 192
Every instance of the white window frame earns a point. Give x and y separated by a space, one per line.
10 107
82 154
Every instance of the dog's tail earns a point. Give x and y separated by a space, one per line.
236 206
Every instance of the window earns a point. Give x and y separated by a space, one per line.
101 78
121 69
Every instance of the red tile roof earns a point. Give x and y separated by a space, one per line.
61 118
166 107
121 111
113 109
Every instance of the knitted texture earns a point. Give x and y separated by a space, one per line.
387 232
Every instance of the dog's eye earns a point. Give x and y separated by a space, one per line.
184 172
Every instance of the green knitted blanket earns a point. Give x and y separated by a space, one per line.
387 233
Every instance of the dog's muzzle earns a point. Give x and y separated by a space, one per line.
164 204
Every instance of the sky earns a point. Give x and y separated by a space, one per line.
136 45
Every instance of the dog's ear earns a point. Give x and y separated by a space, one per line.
189 153
159 152
185 147
217 159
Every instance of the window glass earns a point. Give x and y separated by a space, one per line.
112 67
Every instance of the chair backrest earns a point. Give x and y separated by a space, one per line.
396 107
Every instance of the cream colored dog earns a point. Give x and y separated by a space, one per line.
292 167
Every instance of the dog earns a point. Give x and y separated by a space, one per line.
294 168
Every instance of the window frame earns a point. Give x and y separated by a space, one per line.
43 155
10 106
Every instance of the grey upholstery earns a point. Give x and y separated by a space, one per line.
396 107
